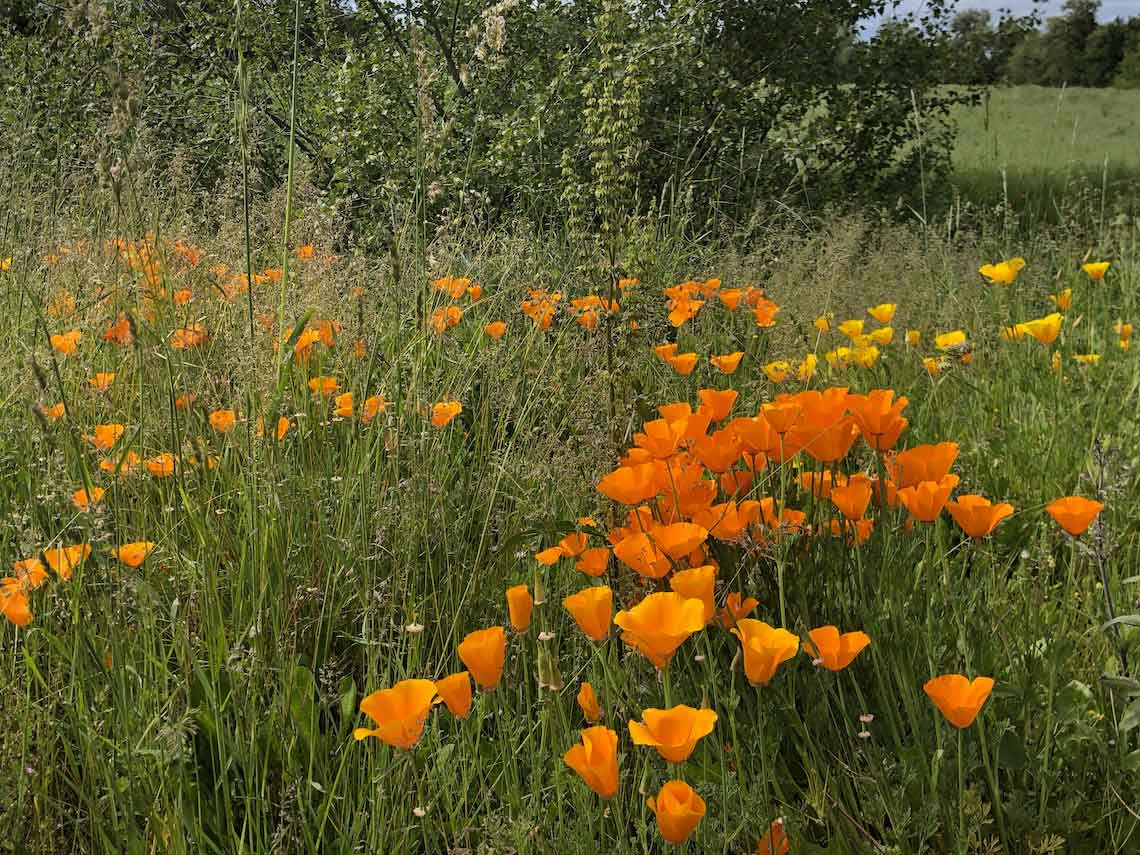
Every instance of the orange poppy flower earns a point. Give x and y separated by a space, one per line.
736 608
665 352
1004 272
683 363
777 371
14 603
697 583
588 702
453 286
661 437
832 650
283 425
455 691
183 296
976 516
550 556
826 443
574 544
1096 269
729 362
959 699
303 346
495 329
443 412
373 406
102 381
739 482
856 531
765 311
679 810
765 647
343 405
520 604
120 331
184 401
161 465
639 552
679 539
926 499
29 572
731 298
1073 513
186 338
592 609
660 623
483 652
52 413
324 386
782 415
922 463
673 732
853 497
399 713
630 485
879 417
64 559
304 252
223 421
1046 329
728 521
717 402
66 343
595 760
775 840
133 554
122 465
594 561
883 312
84 500
105 436
682 308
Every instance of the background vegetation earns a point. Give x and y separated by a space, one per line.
205 702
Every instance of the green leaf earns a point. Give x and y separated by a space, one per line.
302 702
1011 751
1131 718
1073 701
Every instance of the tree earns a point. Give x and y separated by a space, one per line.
971 47
1128 71
1103 53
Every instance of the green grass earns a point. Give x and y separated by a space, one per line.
1041 147
206 702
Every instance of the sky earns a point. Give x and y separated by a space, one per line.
1109 9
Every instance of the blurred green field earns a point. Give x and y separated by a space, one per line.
1043 143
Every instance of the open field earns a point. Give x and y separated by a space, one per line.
252 485
1047 145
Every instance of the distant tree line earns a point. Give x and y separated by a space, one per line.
1072 49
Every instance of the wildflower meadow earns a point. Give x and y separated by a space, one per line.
633 531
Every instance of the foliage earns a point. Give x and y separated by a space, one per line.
463 111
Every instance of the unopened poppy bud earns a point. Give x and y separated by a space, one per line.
539 588
549 676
